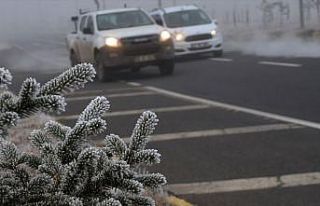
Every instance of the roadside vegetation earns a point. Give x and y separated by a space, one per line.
58 165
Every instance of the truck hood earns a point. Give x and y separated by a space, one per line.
132 31
194 30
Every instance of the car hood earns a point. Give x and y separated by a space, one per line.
194 30
132 31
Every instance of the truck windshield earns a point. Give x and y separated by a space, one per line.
122 20
186 18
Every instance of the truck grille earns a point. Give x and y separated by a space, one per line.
141 45
198 37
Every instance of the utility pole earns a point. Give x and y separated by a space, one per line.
160 4
301 9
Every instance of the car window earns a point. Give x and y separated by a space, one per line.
123 20
186 18
83 23
157 18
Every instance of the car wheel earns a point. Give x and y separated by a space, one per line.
218 53
167 67
102 72
73 59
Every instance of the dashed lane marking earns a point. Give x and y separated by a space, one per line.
132 94
221 59
140 111
212 103
280 64
260 183
216 132
225 131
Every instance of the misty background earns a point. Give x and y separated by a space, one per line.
260 27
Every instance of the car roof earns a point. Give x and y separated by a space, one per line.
175 9
111 11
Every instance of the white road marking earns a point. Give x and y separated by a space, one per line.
221 59
285 181
216 132
225 131
136 84
100 91
140 111
132 94
83 93
280 64
212 103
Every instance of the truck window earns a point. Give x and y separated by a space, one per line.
157 19
90 24
83 23
125 19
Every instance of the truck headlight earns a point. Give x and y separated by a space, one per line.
165 36
113 42
214 33
179 36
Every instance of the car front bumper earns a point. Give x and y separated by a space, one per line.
195 47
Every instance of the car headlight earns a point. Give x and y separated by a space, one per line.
179 37
165 36
113 42
214 33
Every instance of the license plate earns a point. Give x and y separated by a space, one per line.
144 58
200 45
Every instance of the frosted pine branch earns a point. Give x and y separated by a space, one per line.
144 128
95 109
66 169
116 145
152 180
70 80
56 129
5 78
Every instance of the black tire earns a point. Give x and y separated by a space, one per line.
218 53
167 67
73 59
102 73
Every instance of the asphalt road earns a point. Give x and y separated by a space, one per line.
238 130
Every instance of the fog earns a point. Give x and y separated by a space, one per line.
26 23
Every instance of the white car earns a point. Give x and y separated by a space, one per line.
120 39
194 31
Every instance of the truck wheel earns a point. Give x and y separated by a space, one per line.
73 59
102 73
166 67
218 53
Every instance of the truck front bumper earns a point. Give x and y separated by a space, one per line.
121 58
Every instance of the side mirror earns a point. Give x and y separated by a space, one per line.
74 18
87 31
159 22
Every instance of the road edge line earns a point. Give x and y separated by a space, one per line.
246 184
